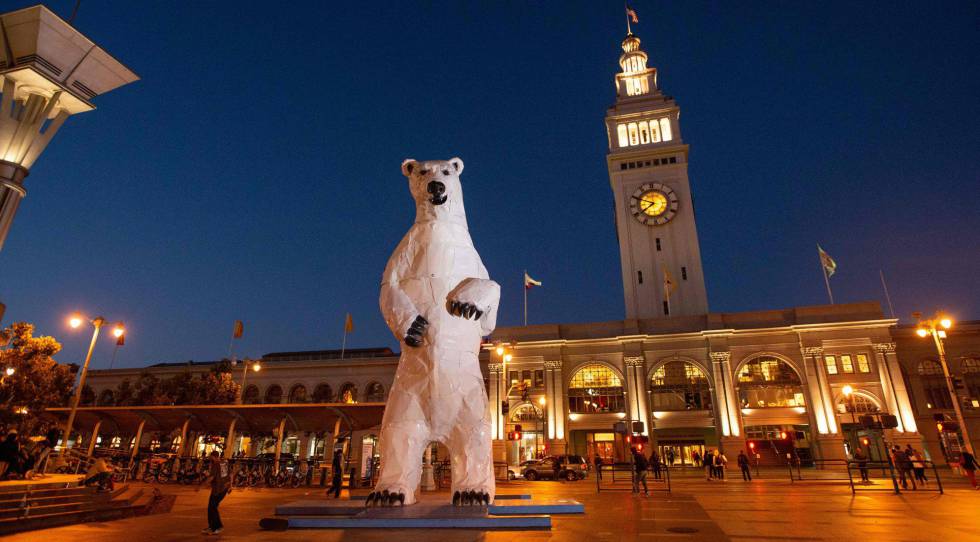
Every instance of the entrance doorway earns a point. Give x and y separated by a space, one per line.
680 453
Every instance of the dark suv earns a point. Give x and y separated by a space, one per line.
573 467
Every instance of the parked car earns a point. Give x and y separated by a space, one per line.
573 467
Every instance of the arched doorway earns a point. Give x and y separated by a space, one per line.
770 394
322 393
251 395
596 399
348 393
532 443
297 394
680 399
106 398
375 393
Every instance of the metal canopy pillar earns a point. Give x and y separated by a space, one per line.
230 439
136 443
93 438
183 437
279 437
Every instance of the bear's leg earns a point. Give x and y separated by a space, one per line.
470 445
404 434
402 445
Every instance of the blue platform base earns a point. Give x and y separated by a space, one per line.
509 512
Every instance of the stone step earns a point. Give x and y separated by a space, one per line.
483 522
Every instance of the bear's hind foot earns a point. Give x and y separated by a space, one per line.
471 498
385 498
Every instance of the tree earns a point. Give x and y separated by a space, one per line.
217 385
38 381
125 395
149 390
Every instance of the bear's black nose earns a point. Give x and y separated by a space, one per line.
436 188
438 192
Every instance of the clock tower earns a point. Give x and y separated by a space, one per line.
647 160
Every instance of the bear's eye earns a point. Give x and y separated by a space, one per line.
445 172
423 172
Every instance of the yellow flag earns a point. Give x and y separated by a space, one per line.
239 329
349 324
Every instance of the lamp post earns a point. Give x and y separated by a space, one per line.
543 425
255 367
75 322
937 327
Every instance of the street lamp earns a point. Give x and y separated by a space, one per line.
937 328
75 321
255 367
9 371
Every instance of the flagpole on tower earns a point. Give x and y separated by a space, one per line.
525 298
828 266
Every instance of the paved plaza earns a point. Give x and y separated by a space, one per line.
772 508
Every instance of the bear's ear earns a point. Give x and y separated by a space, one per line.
457 163
408 166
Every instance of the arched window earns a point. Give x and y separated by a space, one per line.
298 394
348 393
526 413
970 367
322 393
858 403
273 395
934 384
679 385
106 398
595 388
769 382
375 393
88 396
251 395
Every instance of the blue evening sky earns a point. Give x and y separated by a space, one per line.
253 172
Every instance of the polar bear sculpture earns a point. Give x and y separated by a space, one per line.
439 302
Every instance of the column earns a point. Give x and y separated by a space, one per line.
888 363
230 439
812 357
720 394
728 406
636 391
304 446
816 352
93 438
496 412
556 405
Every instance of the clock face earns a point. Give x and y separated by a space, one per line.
653 204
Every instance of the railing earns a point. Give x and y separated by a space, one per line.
622 477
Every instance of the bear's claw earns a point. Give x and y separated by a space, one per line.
413 337
384 498
474 497
464 310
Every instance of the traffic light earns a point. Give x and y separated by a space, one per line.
948 426
865 441
751 446
782 435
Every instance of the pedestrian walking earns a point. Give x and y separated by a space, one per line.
918 465
743 465
640 466
337 473
598 466
904 467
969 465
696 459
556 467
862 462
709 465
670 456
220 487
655 464
721 463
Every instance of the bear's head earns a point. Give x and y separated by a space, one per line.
436 189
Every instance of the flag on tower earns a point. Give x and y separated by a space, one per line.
829 265
239 329
349 324
669 285
631 13
529 282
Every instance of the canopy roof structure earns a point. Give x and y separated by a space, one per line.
302 417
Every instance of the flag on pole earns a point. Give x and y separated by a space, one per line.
631 13
529 282
349 324
239 329
669 285
121 340
829 265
